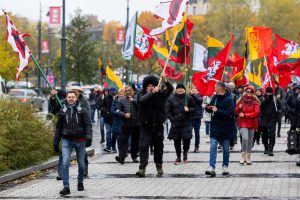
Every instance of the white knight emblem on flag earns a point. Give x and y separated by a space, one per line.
213 70
290 48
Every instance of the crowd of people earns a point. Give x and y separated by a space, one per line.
132 122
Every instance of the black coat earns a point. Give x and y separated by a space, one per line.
181 126
73 123
198 113
125 106
106 109
268 113
152 106
223 121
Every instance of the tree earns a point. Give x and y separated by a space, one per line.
81 55
282 16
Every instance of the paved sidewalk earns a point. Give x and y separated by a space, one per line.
267 178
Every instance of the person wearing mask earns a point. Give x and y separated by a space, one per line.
151 101
247 109
257 132
179 108
196 117
270 108
222 125
75 129
128 109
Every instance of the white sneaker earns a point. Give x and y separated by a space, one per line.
225 170
210 171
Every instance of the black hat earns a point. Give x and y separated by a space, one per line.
297 87
150 80
180 85
269 90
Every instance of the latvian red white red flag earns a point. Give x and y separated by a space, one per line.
205 81
15 39
171 11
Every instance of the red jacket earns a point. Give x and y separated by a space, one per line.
250 109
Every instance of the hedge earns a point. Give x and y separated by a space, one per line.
24 138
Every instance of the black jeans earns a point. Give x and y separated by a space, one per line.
134 132
279 124
154 135
186 146
257 135
268 137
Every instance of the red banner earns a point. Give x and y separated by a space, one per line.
120 36
45 46
54 16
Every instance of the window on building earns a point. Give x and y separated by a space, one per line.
194 10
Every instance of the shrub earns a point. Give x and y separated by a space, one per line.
24 138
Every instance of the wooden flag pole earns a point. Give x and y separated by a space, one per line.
170 51
43 75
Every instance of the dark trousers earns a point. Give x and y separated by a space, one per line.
278 122
186 146
268 137
134 132
155 135
257 135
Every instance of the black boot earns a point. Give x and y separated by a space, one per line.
141 173
270 150
80 187
159 169
65 191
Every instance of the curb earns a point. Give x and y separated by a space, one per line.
39 167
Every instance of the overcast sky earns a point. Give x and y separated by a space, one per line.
105 9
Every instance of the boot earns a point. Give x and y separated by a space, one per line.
185 159
266 151
141 173
248 157
80 187
65 191
270 150
159 169
243 160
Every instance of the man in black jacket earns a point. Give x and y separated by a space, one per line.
75 129
151 101
128 109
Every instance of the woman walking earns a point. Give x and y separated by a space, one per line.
247 109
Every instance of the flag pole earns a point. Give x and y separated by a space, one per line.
269 77
43 75
185 63
134 38
170 51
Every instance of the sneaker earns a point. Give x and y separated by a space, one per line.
141 173
102 141
177 161
80 187
266 152
271 153
119 160
196 150
185 159
107 150
211 172
58 178
225 170
65 191
86 175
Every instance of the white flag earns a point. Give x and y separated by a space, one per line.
128 47
171 12
200 58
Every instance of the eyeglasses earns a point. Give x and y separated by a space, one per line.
127 90
249 92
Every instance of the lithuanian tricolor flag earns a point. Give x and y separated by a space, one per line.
214 46
111 79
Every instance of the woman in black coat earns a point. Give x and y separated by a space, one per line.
179 108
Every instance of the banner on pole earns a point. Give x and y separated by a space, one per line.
54 17
120 36
45 46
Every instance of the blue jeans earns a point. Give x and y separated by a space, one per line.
67 147
213 152
102 128
108 128
59 167
196 123
207 127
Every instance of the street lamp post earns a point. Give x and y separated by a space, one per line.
39 45
63 50
127 63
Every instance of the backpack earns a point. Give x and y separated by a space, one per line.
293 142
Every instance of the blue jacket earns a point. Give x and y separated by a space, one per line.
222 122
117 117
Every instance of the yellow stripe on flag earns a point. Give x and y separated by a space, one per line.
212 42
111 75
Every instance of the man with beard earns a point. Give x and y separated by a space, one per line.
151 101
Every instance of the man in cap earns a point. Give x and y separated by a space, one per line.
151 101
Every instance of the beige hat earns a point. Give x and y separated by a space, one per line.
75 87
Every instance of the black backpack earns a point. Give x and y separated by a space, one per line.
293 142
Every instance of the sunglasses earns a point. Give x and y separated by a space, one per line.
249 92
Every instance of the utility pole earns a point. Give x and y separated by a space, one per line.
39 45
127 63
63 49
